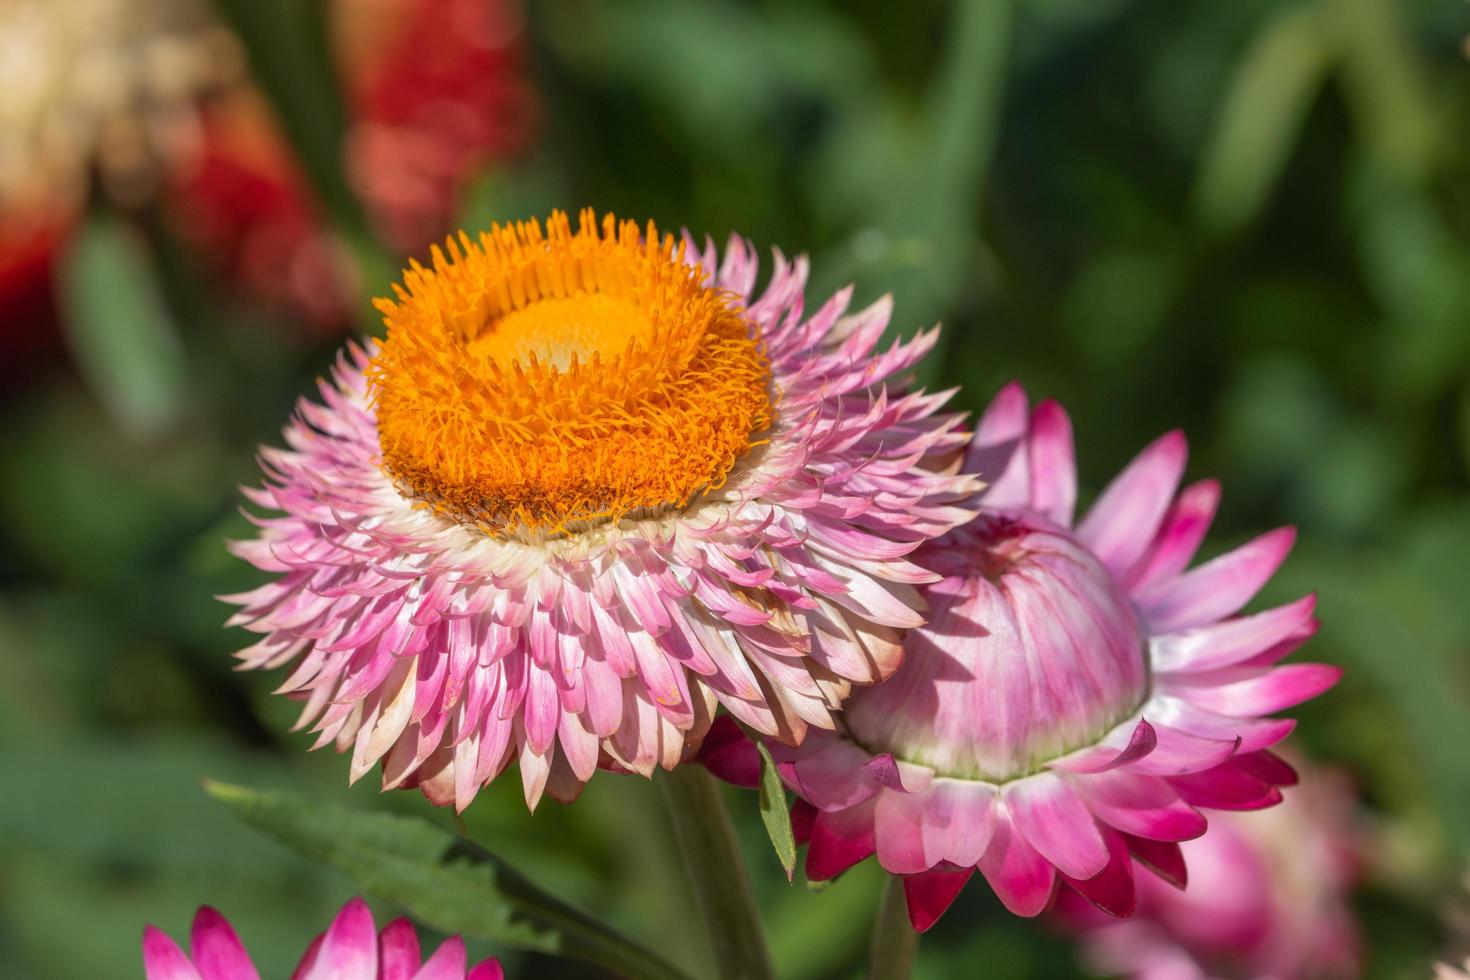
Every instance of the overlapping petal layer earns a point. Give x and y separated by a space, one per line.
350 949
1077 697
446 653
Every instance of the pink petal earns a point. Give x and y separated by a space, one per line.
997 450
349 950
949 823
1053 463
1178 752
1263 694
1183 530
1103 757
163 960
929 894
216 950
1218 588
1021 878
1122 523
1058 824
1232 641
1143 806
447 963
398 951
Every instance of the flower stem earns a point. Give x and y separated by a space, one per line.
716 871
895 943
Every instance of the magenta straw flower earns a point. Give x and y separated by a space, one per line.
1076 697
589 486
350 949
1268 897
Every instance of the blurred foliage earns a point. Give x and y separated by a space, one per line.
1249 219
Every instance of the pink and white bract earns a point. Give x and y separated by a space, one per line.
1076 696
350 949
447 652
1268 897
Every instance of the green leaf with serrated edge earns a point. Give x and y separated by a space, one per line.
775 812
447 882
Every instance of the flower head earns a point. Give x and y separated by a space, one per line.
1076 696
350 949
1268 897
589 486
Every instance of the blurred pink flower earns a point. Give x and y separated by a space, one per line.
350 949
1075 697
1267 897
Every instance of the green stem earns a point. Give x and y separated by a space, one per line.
895 943
716 871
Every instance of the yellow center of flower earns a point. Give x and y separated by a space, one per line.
536 380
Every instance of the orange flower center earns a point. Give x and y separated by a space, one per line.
539 380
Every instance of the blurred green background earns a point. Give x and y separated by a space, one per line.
1249 219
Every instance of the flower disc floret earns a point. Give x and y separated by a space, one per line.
538 380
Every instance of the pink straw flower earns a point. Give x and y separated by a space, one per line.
591 485
1076 696
1267 897
350 949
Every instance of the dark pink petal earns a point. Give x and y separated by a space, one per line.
1053 463
1263 694
349 950
803 817
1122 523
398 951
1111 889
1058 824
447 963
929 894
1226 787
1180 536
486 970
1164 859
1232 641
163 960
216 950
1022 879
1218 588
839 840
1268 768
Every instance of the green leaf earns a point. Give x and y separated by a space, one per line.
120 331
1262 116
776 812
288 46
448 882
